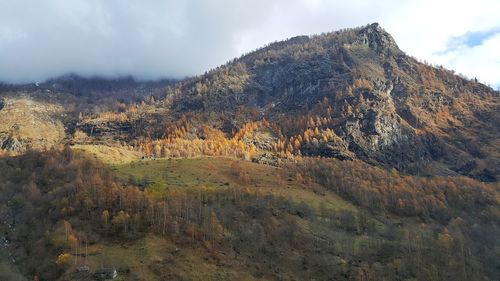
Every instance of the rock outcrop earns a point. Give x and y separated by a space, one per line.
10 143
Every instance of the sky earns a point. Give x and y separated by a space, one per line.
151 39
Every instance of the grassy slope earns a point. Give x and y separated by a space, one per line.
155 258
220 172
107 154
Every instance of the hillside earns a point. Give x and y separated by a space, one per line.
44 115
228 219
386 107
347 94
29 123
326 157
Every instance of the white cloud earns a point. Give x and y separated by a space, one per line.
424 29
155 38
482 61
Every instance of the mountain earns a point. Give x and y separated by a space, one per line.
371 100
326 157
377 104
42 115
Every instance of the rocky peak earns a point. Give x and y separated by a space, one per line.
377 38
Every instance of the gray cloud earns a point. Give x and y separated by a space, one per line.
166 38
148 39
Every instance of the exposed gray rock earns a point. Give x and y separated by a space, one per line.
106 130
377 38
10 143
328 149
268 159
262 139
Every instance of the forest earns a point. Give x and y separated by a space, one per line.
400 228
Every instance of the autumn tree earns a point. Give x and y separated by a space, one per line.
216 228
105 218
121 220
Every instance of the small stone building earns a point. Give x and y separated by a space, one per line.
105 273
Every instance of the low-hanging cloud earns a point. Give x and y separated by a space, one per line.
153 39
